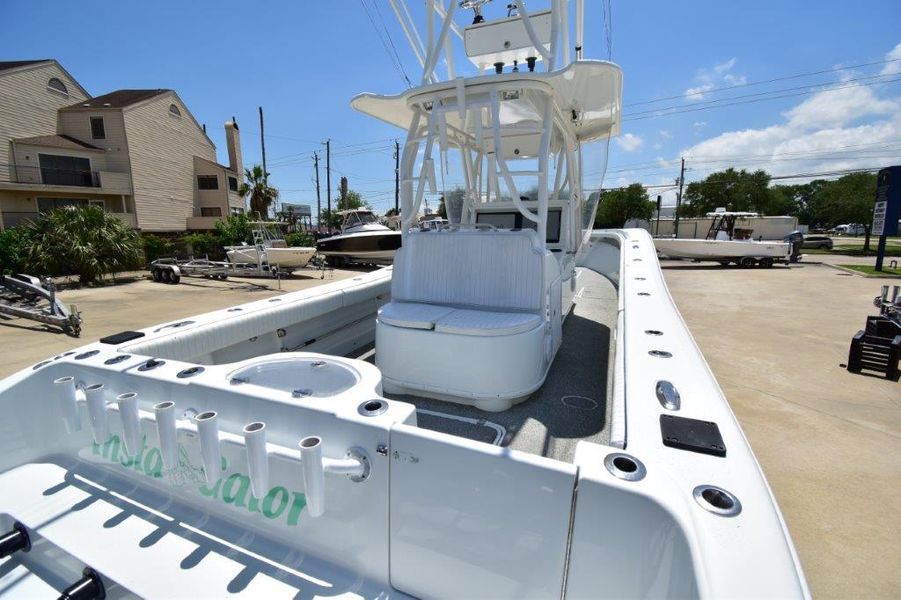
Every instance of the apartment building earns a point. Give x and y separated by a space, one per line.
139 154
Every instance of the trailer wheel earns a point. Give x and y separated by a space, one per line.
766 263
155 275
747 262
174 277
164 275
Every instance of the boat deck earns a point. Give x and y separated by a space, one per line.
572 405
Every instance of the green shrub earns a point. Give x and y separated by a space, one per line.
202 244
299 239
156 247
13 247
83 240
234 230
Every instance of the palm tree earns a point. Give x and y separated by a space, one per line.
256 185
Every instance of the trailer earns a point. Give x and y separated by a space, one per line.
28 297
171 270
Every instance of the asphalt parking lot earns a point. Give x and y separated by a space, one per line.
828 441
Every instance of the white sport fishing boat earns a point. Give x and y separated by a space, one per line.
270 248
725 243
514 410
362 240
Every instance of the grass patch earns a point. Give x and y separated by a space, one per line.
854 250
871 270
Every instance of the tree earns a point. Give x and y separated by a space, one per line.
618 206
730 189
391 212
349 200
234 230
83 240
256 185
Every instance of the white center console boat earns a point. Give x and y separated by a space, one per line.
514 410
270 248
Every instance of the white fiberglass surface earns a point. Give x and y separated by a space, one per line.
307 376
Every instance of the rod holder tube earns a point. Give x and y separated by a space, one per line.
167 433
210 452
131 422
68 403
257 458
95 394
313 474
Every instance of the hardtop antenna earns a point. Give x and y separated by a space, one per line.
476 6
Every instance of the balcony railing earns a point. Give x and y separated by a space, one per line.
16 218
45 176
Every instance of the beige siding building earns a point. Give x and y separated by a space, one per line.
140 154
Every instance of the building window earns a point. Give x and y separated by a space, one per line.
98 131
237 210
100 203
48 204
233 183
66 170
210 211
207 182
173 110
56 86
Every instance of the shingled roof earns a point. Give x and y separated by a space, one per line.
57 141
118 99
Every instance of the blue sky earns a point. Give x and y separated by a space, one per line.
303 61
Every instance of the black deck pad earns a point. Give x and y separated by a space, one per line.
692 434
122 337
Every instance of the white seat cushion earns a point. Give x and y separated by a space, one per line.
412 315
485 323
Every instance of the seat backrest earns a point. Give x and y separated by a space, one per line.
477 268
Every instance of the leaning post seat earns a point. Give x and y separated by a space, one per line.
467 321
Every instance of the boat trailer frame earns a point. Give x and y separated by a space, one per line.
24 296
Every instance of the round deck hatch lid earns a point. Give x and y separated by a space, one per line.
315 377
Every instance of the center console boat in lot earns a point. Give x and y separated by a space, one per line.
362 240
269 248
726 244
508 412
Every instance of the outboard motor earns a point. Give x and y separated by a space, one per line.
795 238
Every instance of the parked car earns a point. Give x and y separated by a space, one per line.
823 242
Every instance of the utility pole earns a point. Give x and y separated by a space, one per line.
679 199
263 146
318 199
328 182
396 177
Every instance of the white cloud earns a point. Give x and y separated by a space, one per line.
665 134
823 133
892 68
699 124
724 67
629 142
709 79
657 146
696 93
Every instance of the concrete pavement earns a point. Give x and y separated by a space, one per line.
829 441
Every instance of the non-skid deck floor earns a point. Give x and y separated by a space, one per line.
573 403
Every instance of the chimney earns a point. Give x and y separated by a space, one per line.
233 143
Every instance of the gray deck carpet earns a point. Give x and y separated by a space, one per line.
573 403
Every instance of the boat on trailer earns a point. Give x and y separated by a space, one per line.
362 240
726 244
269 249
515 409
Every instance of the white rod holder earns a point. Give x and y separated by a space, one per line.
96 399
313 474
167 433
131 422
68 403
210 452
257 458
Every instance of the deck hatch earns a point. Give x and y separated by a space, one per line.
693 435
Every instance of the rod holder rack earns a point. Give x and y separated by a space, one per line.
355 465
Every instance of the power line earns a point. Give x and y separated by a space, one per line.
765 81
395 58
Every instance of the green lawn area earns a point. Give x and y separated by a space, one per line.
870 270
851 250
